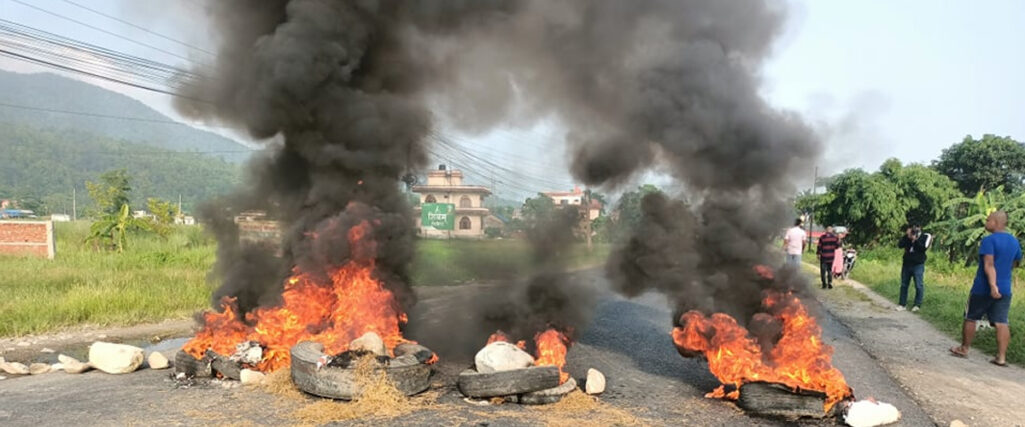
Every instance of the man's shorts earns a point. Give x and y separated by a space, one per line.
994 309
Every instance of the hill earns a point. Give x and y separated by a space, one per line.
44 91
40 167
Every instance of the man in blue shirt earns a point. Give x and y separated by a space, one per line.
991 292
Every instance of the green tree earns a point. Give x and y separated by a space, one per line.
922 192
867 203
110 193
961 233
164 212
984 164
111 231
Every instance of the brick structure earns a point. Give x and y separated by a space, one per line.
31 238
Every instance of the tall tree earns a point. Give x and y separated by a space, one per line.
984 164
110 192
868 204
922 192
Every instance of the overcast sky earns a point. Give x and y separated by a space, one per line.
876 78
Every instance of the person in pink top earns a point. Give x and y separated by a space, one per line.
793 244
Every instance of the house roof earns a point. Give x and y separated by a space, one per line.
451 189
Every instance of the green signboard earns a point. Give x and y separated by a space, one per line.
439 216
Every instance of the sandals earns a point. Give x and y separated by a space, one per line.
1002 365
956 351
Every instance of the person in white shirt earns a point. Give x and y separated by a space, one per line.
793 244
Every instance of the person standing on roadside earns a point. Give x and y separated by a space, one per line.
914 244
794 243
828 244
991 292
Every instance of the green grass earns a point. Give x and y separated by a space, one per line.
154 280
946 291
157 279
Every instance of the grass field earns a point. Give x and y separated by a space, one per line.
946 291
158 279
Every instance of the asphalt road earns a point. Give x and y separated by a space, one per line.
628 341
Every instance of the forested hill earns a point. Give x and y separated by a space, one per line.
34 99
39 167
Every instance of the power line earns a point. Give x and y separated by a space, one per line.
128 39
140 27
107 116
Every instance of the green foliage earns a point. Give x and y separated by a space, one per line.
164 213
45 165
492 232
868 204
536 209
110 193
158 279
112 230
965 226
984 164
625 217
875 206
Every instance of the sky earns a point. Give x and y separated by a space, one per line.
875 78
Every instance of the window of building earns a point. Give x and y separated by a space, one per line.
430 199
464 223
564 202
464 202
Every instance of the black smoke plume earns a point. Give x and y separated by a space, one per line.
352 88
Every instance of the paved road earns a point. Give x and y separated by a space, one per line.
628 340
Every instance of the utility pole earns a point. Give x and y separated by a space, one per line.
811 215
587 216
74 204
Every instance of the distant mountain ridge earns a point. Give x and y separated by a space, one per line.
51 91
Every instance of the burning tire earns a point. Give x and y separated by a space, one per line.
504 383
409 375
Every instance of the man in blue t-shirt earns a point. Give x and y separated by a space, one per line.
991 292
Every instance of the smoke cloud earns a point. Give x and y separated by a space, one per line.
352 88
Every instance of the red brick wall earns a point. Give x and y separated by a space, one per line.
33 238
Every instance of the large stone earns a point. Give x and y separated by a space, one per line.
115 358
369 342
38 368
958 423
249 376
72 365
595 382
157 360
14 368
869 413
501 356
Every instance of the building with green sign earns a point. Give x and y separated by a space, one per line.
448 209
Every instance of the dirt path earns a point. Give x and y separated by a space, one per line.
916 355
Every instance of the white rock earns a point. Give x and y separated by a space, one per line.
2 378
72 365
595 382
38 368
115 358
249 376
57 367
47 350
501 356
868 413
14 368
158 361
23 344
2 360
370 342
958 423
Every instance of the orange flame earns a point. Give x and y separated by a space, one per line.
351 302
799 359
552 346
501 336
